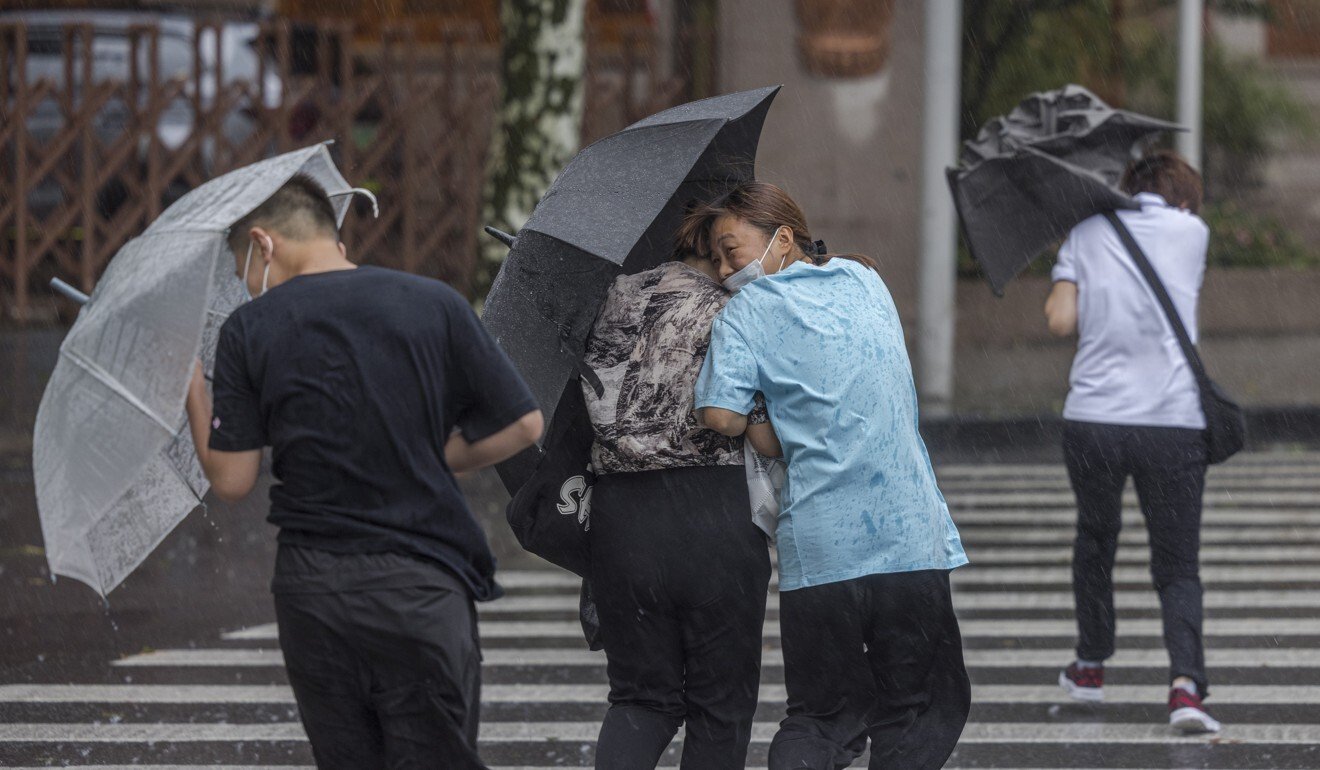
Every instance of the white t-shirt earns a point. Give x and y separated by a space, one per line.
1129 369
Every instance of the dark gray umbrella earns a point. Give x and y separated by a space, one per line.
1033 174
613 210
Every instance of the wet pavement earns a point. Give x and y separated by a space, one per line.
183 666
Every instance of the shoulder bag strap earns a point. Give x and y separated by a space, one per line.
1162 294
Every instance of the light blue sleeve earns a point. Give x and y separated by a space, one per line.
729 378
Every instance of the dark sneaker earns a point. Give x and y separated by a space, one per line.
1187 715
1085 684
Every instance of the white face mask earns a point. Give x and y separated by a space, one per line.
265 276
754 269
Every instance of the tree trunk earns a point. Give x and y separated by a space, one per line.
540 116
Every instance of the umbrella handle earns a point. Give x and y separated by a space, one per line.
68 291
365 193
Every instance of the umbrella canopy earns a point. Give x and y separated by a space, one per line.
614 209
113 458
1031 175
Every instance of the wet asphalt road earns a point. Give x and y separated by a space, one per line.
212 573
163 675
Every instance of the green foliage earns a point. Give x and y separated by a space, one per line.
1015 47
1244 238
1243 106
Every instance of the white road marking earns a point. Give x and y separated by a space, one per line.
586 732
1026 628
280 695
988 600
1243 657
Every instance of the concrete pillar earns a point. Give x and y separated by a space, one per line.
938 270
1191 17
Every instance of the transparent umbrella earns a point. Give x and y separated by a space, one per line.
114 462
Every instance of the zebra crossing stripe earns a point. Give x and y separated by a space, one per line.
1100 733
1067 518
1238 657
953 766
990 600
1030 536
139 694
586 732
238 694
985 556
567 582
1062 576
1224 694
1125 658
974 733
971 629
1211 554
1253 464
149 732
1211 499
266 632
1252 482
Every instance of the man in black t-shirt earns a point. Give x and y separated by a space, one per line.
373 388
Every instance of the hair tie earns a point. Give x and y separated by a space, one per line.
820 249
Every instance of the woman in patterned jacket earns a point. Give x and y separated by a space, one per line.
679 570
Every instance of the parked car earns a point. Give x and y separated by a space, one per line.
204 58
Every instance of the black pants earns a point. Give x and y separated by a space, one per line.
876 657
680 575
383 656
1168 467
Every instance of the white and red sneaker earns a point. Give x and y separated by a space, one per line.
1084 684
1187 715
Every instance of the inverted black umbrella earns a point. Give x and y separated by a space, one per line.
1031 175
614 209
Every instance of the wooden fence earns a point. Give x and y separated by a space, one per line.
410 122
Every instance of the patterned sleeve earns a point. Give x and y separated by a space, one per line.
759 414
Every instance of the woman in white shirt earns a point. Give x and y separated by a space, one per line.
1134 409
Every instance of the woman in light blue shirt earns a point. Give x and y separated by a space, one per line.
871 645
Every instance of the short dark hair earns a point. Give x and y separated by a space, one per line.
1168 175
299 210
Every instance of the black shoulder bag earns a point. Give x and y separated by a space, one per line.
550 512
1225 425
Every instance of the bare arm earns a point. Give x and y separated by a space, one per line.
764 441
463 456
725 421
1061 309
232 474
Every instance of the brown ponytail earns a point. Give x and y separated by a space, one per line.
767 208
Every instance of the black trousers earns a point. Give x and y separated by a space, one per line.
680 576
1167 466
876 657
383 656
